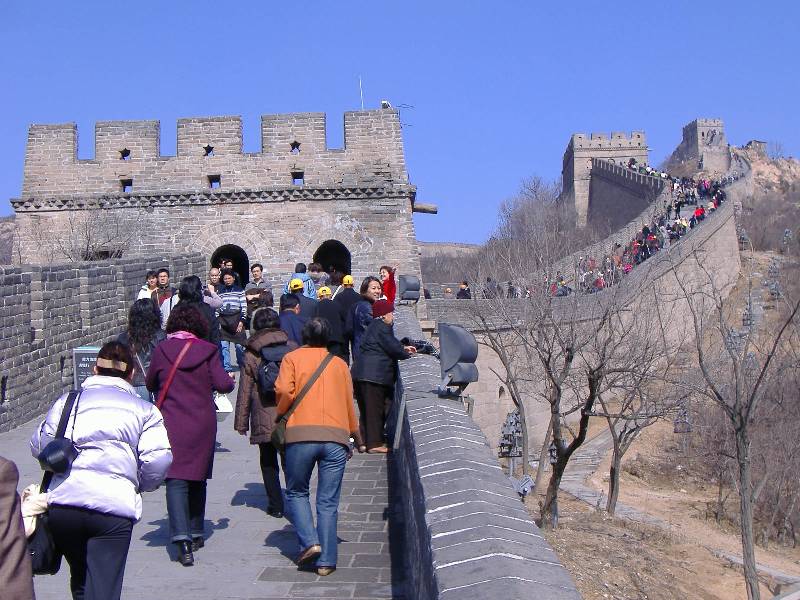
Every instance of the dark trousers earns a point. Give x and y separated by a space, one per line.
96 547
374 401
186 506
270 472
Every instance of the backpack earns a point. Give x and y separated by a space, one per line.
270 366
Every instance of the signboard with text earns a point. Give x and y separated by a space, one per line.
83 359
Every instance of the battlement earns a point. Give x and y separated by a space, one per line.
293 148
580 141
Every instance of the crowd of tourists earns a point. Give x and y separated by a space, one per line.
148 417
691 201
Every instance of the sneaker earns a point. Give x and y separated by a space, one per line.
325 571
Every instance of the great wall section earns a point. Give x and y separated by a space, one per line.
466 533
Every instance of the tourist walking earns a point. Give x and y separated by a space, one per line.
332 312
256 406
147 289
375 372
184 373
317 434
122 450
141 337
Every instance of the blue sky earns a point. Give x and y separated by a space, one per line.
497 88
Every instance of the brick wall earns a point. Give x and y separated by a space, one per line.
46 311
373 152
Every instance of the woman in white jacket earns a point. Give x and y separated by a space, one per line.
123 450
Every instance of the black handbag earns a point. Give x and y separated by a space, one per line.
58 455
278 437
45 557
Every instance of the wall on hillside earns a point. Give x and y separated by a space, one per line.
710 250
46 311
618 194
579 155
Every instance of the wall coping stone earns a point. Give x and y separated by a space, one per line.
467 533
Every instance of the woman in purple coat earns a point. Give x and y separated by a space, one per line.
189 415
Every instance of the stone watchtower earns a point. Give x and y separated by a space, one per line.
296 200
577 164
705 144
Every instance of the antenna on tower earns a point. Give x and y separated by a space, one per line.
361 91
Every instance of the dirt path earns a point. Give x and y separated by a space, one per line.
663 506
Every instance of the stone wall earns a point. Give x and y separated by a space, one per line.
291 143
375 226
46 311
276 207
618 194
467 534
577 163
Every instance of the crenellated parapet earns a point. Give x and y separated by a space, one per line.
209 155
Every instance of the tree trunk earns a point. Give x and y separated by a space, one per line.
523 423
543 459
549 514
746 509
613 479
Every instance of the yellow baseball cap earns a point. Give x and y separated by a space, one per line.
347 280
323 291
296 284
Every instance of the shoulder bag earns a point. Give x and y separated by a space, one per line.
278 437
55 458
162 395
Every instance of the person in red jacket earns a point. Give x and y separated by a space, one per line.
388 284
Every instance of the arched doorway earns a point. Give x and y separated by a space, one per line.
241 264
333 254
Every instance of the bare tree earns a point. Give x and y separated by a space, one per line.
735 370
564 352
95 234
635 395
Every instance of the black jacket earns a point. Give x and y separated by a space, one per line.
308 306
330 310
292 325
346 298
141 361
380 351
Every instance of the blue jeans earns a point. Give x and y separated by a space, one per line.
226 356
186 507
300 460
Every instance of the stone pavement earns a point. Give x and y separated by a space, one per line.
248 554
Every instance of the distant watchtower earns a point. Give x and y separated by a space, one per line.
705 144
577 165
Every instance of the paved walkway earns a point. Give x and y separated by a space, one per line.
248 554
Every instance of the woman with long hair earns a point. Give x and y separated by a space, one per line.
191 292
141 337
123 450
255 403
184 374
